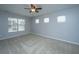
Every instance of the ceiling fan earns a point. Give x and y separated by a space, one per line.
34 8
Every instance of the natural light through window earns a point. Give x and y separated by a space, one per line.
21 24
61 19
15 25
37 21
46 20
12 23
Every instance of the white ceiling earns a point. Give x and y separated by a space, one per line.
46 8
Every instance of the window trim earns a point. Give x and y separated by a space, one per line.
61 19
15 23
46 20
37 21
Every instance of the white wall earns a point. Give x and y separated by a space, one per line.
68 31
4 25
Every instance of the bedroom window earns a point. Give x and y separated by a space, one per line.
21 25
15 25
12 23
61 19
46 20
37 21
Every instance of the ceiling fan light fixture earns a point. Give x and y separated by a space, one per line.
33 10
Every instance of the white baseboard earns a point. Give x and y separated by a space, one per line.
3 38
56 38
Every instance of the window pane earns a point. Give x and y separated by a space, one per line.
61 19
37 21
21 24
12 23
46 20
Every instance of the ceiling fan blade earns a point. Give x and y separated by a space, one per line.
37 11
27 8
38 8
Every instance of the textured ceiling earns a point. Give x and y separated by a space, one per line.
46 8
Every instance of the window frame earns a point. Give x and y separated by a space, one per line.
13 23
46 20
22 24
37 21
61 19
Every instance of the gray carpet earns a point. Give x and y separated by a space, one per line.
34 44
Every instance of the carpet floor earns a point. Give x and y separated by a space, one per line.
34 44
